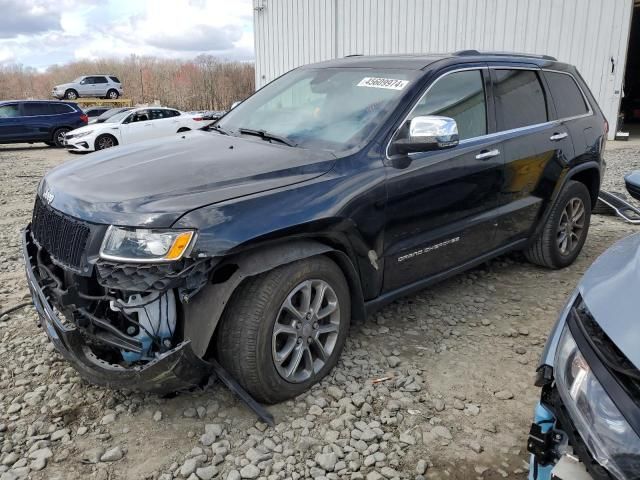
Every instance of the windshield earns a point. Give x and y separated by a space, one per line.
118 117
330 108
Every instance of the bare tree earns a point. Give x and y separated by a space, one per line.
203 83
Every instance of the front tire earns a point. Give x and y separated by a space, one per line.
71 94
284 330
565 231
105 141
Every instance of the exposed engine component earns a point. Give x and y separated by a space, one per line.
154 315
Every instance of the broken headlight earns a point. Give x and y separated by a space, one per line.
605 431
143 245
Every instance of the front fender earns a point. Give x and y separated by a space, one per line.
203 312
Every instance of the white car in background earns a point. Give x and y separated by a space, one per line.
132 126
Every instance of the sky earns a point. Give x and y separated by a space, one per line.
40 33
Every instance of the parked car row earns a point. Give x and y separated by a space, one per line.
130 126
64 124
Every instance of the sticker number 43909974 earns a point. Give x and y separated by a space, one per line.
390 83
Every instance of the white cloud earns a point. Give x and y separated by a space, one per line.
91 29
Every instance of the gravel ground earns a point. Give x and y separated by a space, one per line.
455 398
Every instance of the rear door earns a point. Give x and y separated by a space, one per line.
163 123
100 86
11 123
441 204
535 148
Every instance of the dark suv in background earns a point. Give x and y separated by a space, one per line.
330 192
30 121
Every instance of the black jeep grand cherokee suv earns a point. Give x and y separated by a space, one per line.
330 192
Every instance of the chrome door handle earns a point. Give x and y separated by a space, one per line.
488 154
558 136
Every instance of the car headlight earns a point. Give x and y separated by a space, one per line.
82 134
143 245
605 431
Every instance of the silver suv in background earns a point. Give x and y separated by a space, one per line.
107 86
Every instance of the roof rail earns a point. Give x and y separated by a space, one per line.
473 53
353 55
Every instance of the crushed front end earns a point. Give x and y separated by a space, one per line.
119 323
587 423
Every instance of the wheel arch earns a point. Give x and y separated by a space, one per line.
587 173
590 177
203 312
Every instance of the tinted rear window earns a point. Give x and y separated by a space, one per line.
566 95
60 108
519 99
114 79
36 108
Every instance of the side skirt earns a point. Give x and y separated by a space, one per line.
373 305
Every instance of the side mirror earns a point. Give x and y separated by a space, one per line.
235 104
428 133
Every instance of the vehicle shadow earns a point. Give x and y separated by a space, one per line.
23 148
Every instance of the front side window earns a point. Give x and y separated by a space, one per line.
458 95
9 111
519 98
335 109
566 95
141 116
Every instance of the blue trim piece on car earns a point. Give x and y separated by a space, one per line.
546 420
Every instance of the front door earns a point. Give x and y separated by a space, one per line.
441 204
11 123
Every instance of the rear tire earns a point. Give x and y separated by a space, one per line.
260 339
105 141
71 94
50 144
113 94
565 231
58 137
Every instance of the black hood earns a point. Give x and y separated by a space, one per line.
153 183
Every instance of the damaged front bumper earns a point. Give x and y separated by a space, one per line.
176 369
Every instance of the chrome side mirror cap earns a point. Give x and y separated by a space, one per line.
428 133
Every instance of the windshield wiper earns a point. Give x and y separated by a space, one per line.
219 129
268 136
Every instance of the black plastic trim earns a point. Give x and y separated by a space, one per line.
614 389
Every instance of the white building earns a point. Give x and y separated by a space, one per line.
594 35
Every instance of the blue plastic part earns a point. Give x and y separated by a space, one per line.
546 420
131 357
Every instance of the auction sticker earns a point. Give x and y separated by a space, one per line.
390 83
